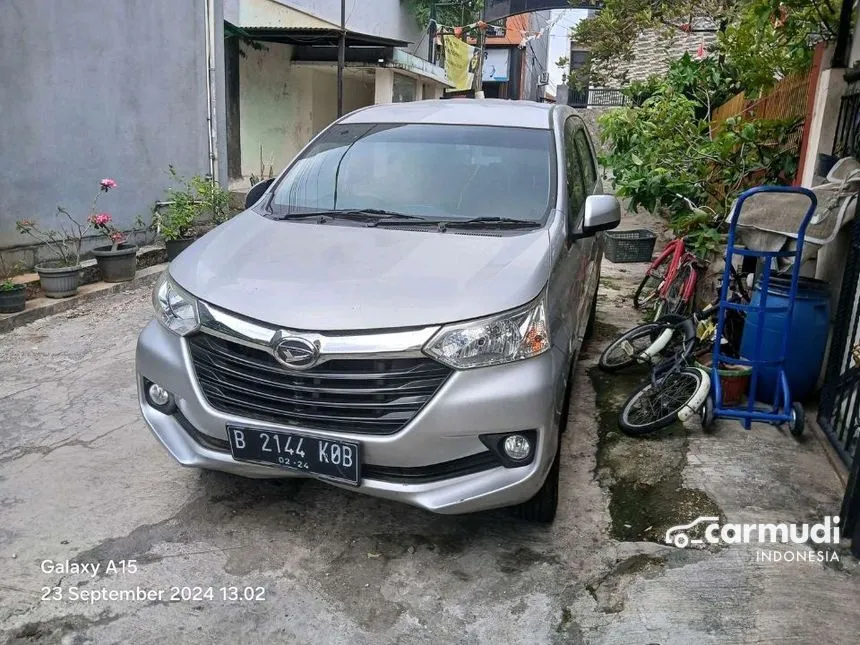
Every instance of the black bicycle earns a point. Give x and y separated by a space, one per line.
675 389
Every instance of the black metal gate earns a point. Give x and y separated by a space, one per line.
839 409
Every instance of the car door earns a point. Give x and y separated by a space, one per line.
567 264
589 246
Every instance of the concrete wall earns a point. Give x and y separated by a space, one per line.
97 89
656 48
283 105
537 53
388 18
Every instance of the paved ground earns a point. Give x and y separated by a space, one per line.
82 479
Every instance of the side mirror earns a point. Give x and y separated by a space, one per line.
602 212
257 191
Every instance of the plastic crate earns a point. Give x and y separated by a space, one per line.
629 246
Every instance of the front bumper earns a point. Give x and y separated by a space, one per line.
515 397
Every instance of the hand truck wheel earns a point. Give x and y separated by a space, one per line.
798 420
706 415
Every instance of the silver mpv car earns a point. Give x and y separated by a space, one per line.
398 312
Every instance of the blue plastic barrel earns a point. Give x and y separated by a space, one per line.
807 336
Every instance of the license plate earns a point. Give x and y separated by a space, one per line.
336 460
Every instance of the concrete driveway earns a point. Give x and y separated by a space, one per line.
82 479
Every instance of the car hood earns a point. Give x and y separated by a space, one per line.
329 277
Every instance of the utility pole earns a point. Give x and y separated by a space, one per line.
432 31
482 46
341 57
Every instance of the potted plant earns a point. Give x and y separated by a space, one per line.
12 295
60 277
118 261
196 200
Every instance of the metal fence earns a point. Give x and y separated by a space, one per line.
846 142
839 410
596 97
839 406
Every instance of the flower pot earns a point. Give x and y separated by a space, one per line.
119 265
175 247
12 300
59 281
734 380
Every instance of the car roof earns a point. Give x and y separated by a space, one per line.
498 112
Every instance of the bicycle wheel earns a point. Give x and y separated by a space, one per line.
622 351
648 290
674 302
650 408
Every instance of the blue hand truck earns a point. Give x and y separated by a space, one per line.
782 409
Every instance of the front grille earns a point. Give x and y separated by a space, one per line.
365 396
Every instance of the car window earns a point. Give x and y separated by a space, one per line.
586 159
424 170
575 178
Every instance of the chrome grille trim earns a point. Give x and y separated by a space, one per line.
377 387
356 345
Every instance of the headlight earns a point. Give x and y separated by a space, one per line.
503 338
175 307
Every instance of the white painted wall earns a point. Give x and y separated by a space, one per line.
825 113
283 105
276 107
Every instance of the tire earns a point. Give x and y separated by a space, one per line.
649 409
592 315
542 507
673 302
706 415
798 420
654 277
614 358
565 407
646 293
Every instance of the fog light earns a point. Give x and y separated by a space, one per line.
158 395
517 447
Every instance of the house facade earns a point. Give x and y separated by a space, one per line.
102 89
281 73
124 89
514 62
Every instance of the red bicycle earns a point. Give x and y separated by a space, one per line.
669 285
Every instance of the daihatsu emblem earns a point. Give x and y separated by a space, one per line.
296 353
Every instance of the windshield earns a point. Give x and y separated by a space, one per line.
453 172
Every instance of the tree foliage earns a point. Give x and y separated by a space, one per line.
664 157
450 13
764 39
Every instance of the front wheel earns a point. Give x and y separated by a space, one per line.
542 507
652 407
622 351
649 289
679 294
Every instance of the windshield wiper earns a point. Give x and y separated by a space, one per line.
501 221
370 215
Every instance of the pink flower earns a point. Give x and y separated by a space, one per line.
107 184
101 219
117 237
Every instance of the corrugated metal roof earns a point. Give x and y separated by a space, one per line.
319 36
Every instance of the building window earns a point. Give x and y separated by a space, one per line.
404 89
